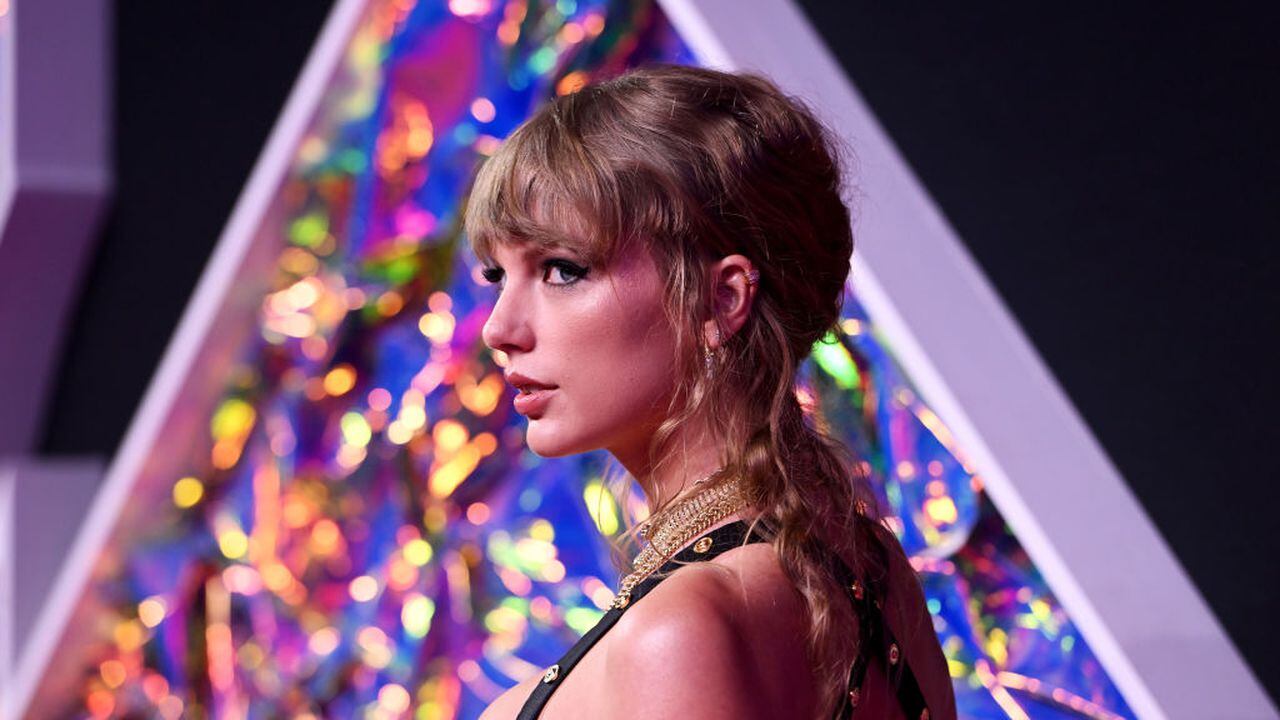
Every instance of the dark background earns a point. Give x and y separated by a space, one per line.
1113 170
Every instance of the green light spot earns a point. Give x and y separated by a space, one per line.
353 162
582 619
542 61
465 134
309 230
402 269
836 361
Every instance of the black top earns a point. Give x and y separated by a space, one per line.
865 594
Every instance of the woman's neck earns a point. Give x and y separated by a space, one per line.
696 456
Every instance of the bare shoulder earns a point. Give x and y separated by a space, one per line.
712 641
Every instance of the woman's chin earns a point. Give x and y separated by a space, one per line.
548 438
544 441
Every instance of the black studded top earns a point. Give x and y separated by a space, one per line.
864 593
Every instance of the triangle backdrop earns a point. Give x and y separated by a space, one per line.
355 527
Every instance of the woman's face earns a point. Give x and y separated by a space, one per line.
598 335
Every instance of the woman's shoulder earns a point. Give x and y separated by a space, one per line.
672 649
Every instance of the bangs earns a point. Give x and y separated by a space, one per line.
544 187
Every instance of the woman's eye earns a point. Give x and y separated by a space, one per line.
570 273
492 275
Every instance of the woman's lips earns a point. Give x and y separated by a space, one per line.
535 402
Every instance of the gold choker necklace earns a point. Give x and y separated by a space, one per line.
680 524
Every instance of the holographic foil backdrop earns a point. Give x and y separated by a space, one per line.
369 536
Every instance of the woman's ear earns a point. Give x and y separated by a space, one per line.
733 293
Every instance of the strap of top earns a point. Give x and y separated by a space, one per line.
711 545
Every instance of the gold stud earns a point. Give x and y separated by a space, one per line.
893 654
924 714
551 674
856 587
861 507
702 545
620 601
854 696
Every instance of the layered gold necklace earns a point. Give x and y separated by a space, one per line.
676 526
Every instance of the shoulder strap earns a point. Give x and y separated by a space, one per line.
708 546
876 637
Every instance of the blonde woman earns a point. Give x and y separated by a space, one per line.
668 245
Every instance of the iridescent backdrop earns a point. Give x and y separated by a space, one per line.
369 537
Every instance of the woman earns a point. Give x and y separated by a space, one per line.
668 245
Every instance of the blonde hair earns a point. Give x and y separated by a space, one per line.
695 164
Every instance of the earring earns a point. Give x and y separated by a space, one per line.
709 356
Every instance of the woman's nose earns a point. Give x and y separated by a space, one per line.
507 328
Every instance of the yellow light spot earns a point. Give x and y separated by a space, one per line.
941 510
601 506
434 518
113 673
449 435
233 543
323 641
416 614
151 611
437 327
325 537
304 293
340 380
541 529
418 552
363 588
355 429
906 469
277 577
129 635
446 478
187 492
413 417
399 433
394 698
234 418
